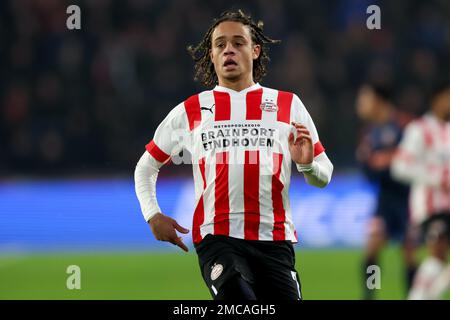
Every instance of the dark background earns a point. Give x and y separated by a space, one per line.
87 101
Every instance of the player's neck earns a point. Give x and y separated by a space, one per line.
439 115
239 85
385 114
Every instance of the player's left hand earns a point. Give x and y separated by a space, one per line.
302 151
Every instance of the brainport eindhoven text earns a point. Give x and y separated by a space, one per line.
237 135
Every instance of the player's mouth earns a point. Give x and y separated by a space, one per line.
230 64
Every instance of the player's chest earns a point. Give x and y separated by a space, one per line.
437 145
253 121
384 137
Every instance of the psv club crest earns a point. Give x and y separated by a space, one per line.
269 106
216 271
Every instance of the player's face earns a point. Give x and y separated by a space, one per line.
366 103
232 52
442 102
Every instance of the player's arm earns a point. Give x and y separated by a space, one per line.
375 164
319 172
408 165
441 285
431 283
158 151
363 153
162 226
306 150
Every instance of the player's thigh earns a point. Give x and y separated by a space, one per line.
235 289
221 261
275 275
284 284
377 226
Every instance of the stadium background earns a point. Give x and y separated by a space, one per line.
77 108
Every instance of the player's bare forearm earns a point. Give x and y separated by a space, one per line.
380 160
164 229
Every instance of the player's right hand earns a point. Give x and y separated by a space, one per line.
164 229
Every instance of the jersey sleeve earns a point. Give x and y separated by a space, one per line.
409 152
168 139
411 144
301 115
408 164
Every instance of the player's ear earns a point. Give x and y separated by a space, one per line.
211 56
256 51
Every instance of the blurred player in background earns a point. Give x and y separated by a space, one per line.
242 138
433 276
423 160
383 131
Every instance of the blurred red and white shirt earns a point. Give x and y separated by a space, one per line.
240 158
423 160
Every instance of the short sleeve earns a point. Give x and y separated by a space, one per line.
168 138
301 115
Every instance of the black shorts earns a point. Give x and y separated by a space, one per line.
268 266
393 209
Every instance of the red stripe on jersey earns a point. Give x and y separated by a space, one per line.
445 178
222 201
443 131
192 107
251 195
277 199
222 106
156 152
445 184
318 148
253 101
199 213
429 200
284 102
428 136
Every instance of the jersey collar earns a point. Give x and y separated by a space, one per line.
256 86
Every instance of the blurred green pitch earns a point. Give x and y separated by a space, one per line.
325 274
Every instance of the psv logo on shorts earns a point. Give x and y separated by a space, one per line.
216 271
269 106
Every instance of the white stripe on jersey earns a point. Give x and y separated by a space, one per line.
236 176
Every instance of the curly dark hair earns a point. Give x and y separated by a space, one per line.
204 68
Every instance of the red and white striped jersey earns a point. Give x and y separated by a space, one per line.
423 159
240 156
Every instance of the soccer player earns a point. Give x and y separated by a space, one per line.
423 160
383 131
433 277
242 138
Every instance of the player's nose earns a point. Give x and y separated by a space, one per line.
229 49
